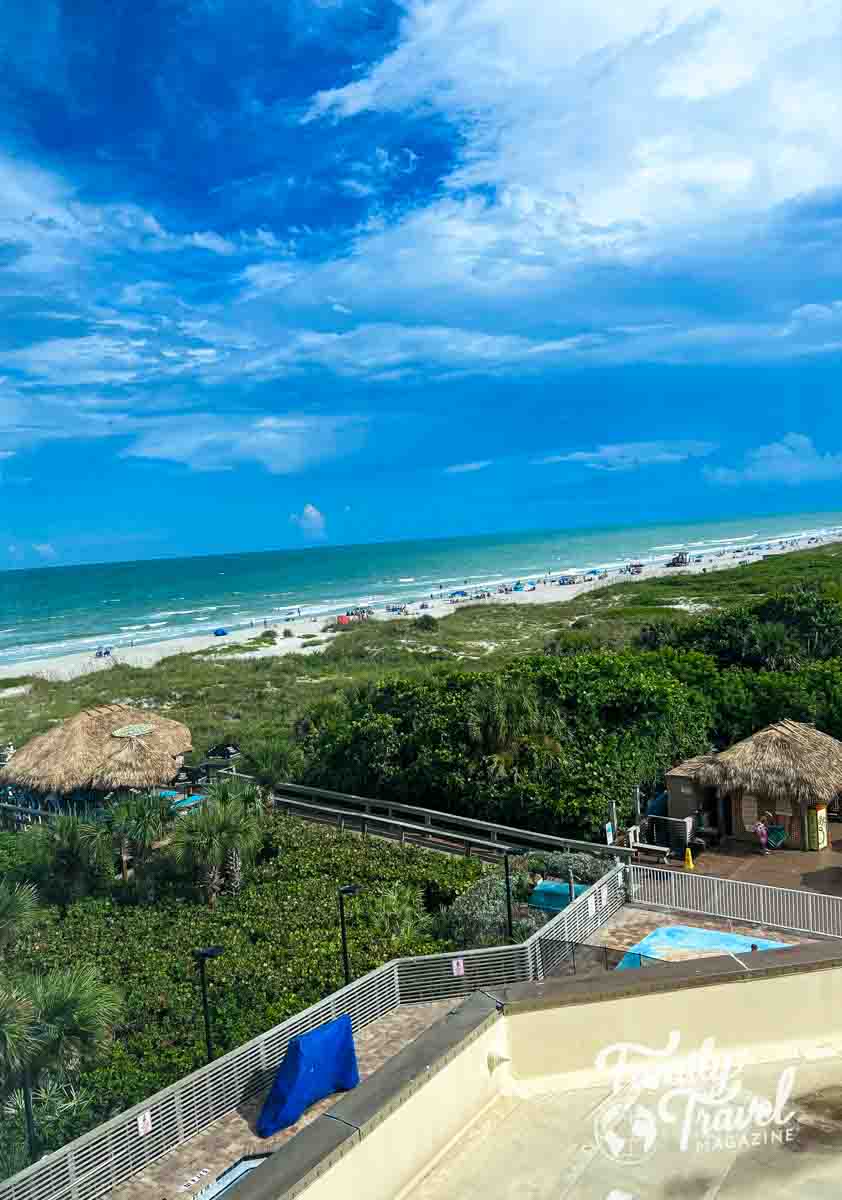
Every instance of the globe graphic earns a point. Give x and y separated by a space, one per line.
626 1133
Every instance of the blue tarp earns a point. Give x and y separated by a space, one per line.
316 1065
554 895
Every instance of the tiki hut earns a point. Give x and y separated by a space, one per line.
100 750
790 770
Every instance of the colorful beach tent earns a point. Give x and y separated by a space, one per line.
219 632
316 1065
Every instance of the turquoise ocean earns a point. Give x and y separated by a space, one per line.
53 611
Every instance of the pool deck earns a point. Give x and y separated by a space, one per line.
191 1167
632 924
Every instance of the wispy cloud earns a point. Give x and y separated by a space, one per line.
282 444
463 468
793 460
310 521
44 550
628 456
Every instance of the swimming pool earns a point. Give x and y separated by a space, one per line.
681 942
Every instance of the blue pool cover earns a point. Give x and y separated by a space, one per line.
551 895
661 942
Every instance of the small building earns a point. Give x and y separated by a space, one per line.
112 748
790 770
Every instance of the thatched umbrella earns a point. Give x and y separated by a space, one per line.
105 749
786 762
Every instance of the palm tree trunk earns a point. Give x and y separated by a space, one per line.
213 884
31 1136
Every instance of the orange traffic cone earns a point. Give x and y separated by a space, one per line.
688 860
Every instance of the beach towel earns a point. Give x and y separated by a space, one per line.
316 1065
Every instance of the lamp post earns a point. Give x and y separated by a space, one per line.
201 957
509 925
350 889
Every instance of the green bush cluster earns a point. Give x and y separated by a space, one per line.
478 917
546 743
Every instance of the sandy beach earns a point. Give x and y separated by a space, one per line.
307 630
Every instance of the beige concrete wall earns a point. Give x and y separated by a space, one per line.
766 1018
411 1138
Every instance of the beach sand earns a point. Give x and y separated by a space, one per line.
70 666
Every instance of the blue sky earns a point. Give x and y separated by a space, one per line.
285 271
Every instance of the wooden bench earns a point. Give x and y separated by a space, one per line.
662 852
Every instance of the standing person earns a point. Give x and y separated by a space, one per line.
762 831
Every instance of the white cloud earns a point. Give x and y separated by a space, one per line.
462 468
591 134
267 277
213 242
44 549
792 460
628 456
134 295
281 444
309 521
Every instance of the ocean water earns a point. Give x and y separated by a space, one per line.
54 611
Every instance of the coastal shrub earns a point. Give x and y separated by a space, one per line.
779 632
586 868
572 641
478 917
545 742
426 623
288 632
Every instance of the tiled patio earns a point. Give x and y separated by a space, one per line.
189 1168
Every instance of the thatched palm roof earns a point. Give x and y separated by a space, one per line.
788 761
101 749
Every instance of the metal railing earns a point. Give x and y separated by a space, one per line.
755 903
99 1161
339 806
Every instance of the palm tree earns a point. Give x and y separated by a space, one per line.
398 914
503 715
48 1025
111 834
75 854
18 905
216 839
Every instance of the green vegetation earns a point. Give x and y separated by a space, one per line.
272 881
51 1025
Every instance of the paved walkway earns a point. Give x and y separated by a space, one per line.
196 1163
816 871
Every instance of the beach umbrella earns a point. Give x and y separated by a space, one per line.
105 749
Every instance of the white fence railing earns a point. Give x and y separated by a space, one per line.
756 903
98 1162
